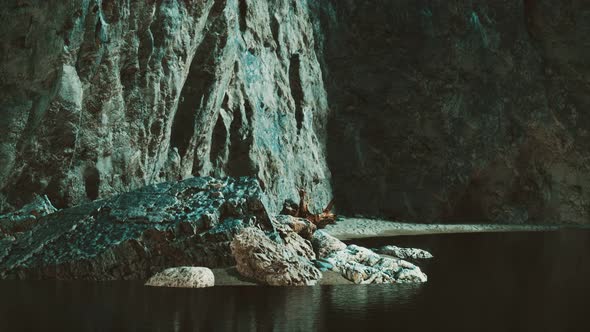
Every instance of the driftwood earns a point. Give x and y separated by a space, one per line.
320 220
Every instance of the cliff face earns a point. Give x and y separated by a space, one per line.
103 96
441 110
459 110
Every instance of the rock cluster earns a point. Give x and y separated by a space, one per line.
195 222
133 235
363 266
183 277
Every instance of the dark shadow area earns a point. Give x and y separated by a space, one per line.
92 183
296 89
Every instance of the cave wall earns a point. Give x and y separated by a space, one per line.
459 111
102 96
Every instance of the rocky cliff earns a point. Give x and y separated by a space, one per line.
463 110
459 110
103 96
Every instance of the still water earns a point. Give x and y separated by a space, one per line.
477 282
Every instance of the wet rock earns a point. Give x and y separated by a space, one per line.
403 253
135 234
183 277
361 265
270 262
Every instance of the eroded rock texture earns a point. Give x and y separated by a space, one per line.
361 265
137 234
99 97
277 262
459 110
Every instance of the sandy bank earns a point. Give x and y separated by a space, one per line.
355 228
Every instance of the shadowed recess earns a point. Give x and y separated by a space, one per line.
296 89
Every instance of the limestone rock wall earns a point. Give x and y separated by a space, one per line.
459 110
462 110
102 96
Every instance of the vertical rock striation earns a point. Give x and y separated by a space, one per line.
443 110
102 96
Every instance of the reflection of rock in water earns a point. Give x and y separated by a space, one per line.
298 310
356 300
271 309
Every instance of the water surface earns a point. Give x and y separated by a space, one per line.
477 282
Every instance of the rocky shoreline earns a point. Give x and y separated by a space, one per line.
198 222
172 229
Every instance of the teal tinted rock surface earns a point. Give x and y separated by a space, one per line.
103 97
136 234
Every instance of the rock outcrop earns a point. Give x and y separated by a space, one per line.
361 265
272 262
183 277
459 111
453 111
102 97
137 234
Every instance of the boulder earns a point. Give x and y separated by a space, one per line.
403 253
183 277
271 262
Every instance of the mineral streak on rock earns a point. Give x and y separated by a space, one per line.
136 234
103 97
